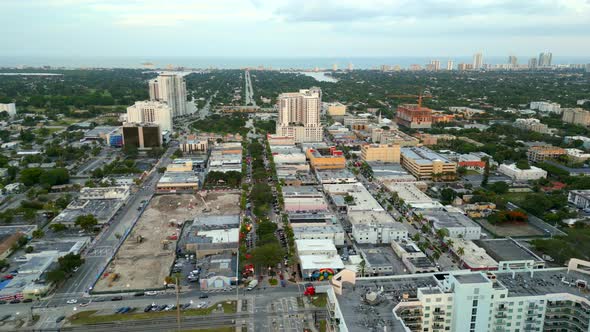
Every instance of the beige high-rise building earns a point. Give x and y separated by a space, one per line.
576 116
170 88
154 112
450 65
435 65
381 152
478 61
299 115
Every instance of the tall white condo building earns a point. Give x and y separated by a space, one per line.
155 112
299 115
170 88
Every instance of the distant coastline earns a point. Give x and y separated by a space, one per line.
303 63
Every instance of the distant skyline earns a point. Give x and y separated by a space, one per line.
292 28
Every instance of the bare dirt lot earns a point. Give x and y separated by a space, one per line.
145 258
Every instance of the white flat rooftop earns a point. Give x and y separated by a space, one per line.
316 262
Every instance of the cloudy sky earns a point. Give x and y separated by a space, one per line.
294 27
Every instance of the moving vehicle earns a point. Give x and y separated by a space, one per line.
60 318
252 285
151 293
72 301
203 296
117 298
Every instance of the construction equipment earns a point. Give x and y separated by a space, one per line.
203 194
420 97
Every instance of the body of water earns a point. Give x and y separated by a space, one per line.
319 76
266 62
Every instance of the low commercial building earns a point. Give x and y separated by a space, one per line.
413 258
336 109
120 193
392 136
101 132
211 235
517 174
218 271
318 259
425 164
30 281
458 225
178 182
472 257
333 159
538 154
472 162
351 197
304 199
102 203
301 219
334 233
413 196
335 176
580 198
226 157
510 253
381 152
274 140
376 227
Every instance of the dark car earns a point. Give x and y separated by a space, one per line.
148 308
2 302
117 298
203 296
60 318
27 300
15 301
139 294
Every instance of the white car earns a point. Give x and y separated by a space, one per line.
151 293
72 301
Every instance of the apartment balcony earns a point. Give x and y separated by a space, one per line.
502 308
439 319
565 323
500 315
436 327
438 312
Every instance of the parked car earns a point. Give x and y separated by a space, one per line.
148 308
203 296
15 301
151 293
27 300
117 298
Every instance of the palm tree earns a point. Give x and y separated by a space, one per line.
362 267
460 253
442 233
450 243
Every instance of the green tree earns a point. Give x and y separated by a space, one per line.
58 227
486 172
268 255
38 233
86 222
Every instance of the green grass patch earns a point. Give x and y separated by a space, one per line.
90 316
273 282
323 324
319 300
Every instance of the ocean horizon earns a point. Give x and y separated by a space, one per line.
230 62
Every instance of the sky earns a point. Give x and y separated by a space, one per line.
293 28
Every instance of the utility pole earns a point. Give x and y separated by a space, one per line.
177 303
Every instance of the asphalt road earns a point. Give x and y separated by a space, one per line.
249 90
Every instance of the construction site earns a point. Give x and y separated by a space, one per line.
145 258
